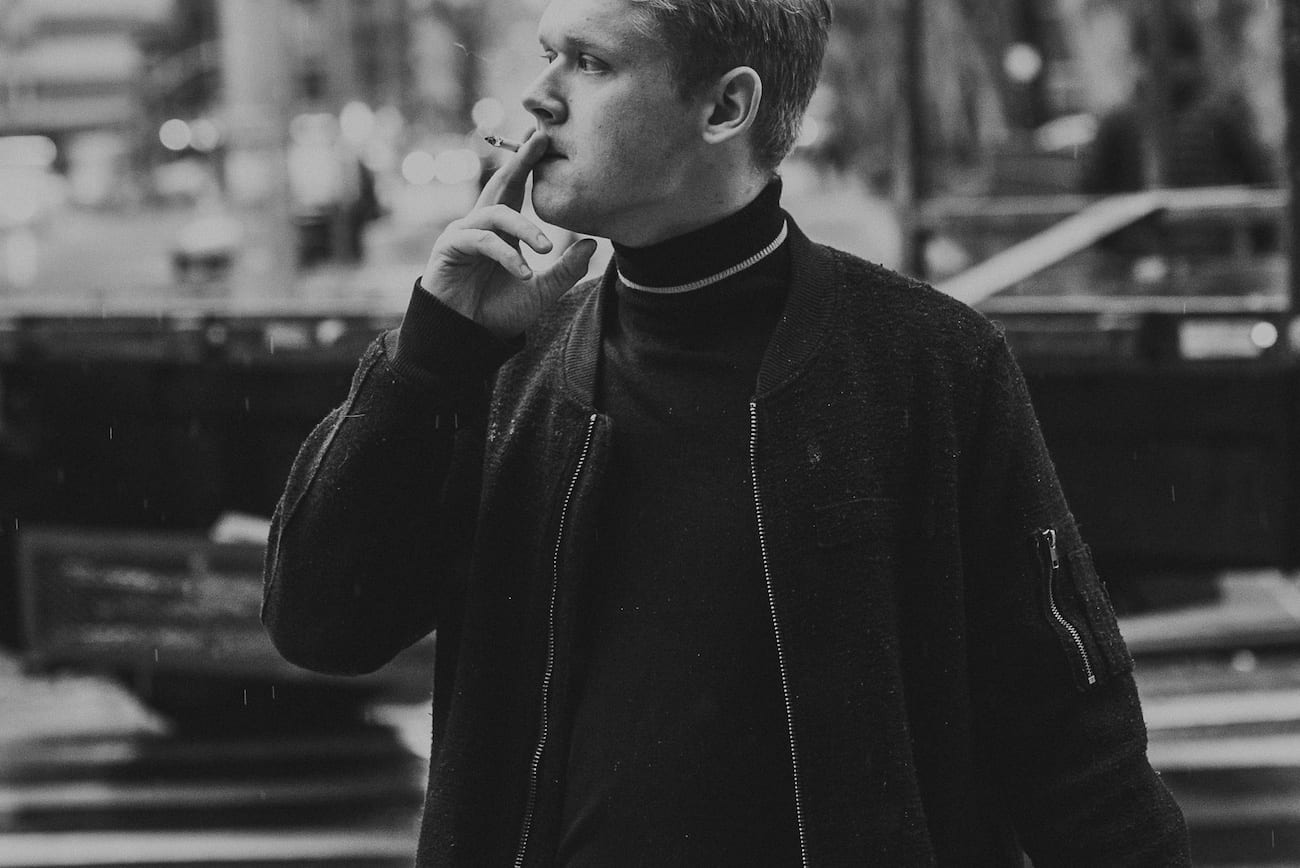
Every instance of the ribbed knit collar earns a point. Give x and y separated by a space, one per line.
709 250
815 290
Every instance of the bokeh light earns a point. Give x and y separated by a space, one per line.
419 167
488 114
204 135
1264 335
357 123
457 166
175 134
1022 63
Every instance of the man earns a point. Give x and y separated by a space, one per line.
748 553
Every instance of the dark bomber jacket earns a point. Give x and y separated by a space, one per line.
956 684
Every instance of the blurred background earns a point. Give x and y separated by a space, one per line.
209 207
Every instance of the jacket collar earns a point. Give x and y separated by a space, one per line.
814 296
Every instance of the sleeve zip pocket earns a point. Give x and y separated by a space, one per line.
1069 633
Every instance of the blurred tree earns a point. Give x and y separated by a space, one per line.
863 108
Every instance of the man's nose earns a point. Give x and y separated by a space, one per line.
543 101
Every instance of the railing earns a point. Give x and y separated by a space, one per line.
1077 223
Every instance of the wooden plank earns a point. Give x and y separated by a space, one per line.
86 850
1253 752
1135 305
165 601
1224 806
1219 709
1251 610
25 800
30 756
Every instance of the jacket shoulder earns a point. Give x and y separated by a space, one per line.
876 298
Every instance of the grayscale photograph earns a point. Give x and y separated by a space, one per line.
649 433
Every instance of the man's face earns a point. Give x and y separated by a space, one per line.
624 145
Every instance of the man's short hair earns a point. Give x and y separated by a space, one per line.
782 40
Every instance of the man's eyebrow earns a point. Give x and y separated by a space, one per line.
579 42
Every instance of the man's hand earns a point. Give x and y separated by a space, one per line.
476 268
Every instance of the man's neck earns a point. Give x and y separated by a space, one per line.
712 203
741 241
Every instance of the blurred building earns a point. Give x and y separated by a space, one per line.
75 65
110 72
75 72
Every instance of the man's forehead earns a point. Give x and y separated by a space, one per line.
607 24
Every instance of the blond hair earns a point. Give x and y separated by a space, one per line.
782 40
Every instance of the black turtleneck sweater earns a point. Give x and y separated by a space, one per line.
679 752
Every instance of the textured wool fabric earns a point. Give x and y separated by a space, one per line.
940 717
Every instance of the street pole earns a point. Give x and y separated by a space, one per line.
911 183
1291 86
341 87
256 82
1159 143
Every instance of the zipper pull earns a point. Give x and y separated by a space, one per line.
1049 536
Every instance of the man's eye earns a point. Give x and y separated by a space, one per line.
548 56
586 63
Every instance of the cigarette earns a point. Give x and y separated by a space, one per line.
498 142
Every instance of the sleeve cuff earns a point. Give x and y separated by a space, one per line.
436 342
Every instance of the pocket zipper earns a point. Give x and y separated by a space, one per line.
1048 537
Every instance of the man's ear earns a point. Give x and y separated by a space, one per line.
734 104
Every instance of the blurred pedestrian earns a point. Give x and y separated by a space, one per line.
747 553
1210 139
360 210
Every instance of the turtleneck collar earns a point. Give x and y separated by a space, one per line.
710 250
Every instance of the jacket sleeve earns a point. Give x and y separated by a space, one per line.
1056 705
369 540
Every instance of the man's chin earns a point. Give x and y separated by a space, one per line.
562 211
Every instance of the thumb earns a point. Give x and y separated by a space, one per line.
568 270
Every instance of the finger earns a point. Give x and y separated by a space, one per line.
506 186
571 267
487 244
509 223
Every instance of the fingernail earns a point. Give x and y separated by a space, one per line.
525 272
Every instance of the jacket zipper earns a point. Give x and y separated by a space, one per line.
535 769
776 628
1048 537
